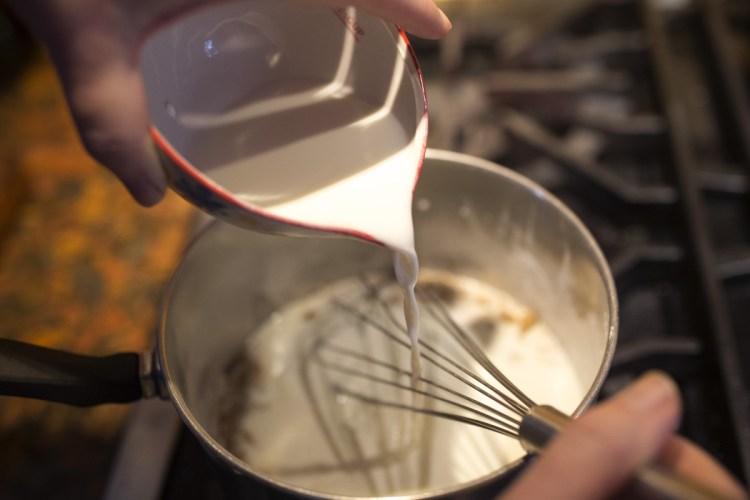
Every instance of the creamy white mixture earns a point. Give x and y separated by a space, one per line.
298 425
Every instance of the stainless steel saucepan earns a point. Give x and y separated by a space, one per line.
471 216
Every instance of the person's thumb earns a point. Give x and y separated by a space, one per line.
598 453
422 18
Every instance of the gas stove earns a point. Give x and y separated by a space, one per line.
636 114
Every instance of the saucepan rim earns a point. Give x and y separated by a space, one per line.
432 155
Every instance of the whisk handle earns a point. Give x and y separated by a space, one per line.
543 422
539 426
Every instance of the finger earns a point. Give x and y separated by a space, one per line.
90 44
420 17
598 453
687 460
112 120
107 100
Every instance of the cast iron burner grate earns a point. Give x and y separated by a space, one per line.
636 114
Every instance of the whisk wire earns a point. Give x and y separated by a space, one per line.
441 314
502 419
504 430
477 383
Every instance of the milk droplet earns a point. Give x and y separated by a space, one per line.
171 110
273 59
341 399
209 48
423 204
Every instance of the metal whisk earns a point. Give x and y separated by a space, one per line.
499 405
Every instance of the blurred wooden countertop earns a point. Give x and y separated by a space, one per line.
82 267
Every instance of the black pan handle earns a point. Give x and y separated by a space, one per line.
31 371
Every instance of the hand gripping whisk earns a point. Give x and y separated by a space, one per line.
490 401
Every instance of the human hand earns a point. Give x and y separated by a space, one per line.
597 454
94 44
